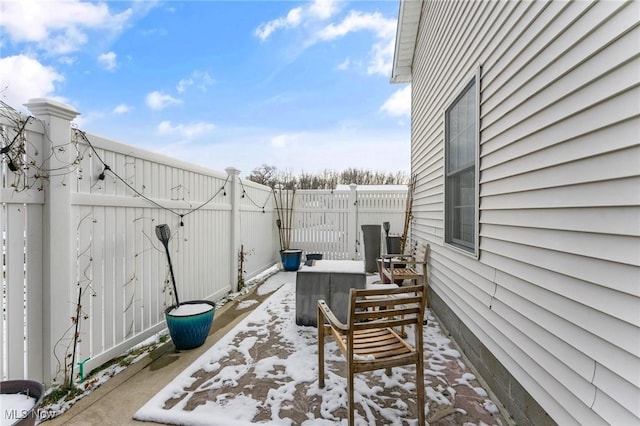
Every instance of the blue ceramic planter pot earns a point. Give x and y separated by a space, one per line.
26 387
291 259
189 331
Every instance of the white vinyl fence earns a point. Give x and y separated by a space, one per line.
80 250
330 221
84 275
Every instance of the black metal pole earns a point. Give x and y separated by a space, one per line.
279 225
164 235
173 278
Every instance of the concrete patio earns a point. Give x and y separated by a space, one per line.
116 401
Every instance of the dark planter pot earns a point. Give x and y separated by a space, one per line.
313 256
25 387
291 259
190 331
394 244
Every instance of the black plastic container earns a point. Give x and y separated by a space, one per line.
28 388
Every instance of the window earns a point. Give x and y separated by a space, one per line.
460 188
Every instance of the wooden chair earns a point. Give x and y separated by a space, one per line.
411 266
368 340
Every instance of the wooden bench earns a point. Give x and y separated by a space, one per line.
411 266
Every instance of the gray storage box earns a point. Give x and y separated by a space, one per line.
330 280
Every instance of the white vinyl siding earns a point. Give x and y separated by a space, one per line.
555 294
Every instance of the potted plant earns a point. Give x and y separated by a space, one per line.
188 322
284 197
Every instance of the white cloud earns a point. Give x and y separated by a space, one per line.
108 60
286 140
67 60
356 21
153 32
66 42
383 29
121 109
398 104
184 84
23 78
292 19
344 65
314 11
158 100
58 27
199 79
323 9
188 131
382 57
87 117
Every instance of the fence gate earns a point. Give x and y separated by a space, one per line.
330 221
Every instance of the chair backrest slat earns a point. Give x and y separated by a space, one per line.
391 323
384 314
388 307
386 303
390 290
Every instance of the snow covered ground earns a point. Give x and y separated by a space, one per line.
265 371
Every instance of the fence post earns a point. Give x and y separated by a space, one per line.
58 245
234 233
352 221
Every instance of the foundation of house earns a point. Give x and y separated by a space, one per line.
524 410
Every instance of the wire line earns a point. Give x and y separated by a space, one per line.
140 194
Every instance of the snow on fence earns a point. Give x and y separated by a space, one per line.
78 221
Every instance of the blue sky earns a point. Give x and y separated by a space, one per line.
300 85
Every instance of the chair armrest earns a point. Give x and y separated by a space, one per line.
398 256
409 262
330 317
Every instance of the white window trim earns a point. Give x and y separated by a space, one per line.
476 245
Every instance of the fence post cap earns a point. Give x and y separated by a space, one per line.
45 106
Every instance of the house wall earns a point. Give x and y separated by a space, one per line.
549 311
